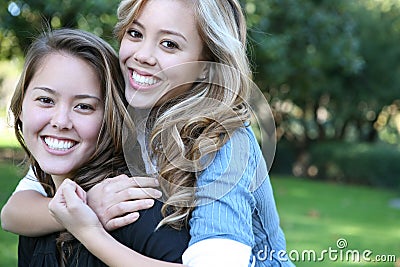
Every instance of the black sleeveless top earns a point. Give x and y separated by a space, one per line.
166 244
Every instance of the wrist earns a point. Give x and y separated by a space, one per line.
86 234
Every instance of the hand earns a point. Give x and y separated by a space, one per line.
69 208
116 201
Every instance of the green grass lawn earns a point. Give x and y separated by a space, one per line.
314 215
9 175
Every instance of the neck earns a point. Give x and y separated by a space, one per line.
58 179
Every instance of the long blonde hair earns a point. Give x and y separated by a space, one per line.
192 127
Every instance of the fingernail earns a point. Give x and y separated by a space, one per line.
156 182
158 194
149 202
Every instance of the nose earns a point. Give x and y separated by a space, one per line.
145 54
61 119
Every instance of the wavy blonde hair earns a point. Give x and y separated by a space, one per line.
191 128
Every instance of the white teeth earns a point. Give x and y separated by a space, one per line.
143 80
58 144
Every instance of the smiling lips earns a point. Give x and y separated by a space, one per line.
58 144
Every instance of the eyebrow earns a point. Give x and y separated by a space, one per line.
54 92
162 30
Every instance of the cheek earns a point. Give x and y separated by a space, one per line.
91 130
34 120
184 74
125 50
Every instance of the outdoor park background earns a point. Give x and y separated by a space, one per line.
331 73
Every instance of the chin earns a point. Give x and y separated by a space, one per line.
56 171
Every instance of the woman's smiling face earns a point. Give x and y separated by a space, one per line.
154 50
62 114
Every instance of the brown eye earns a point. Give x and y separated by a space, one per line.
135 34
45 100
84 107
170 44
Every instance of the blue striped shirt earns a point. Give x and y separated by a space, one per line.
235 201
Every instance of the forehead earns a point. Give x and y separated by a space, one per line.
168 12
66 72
63 62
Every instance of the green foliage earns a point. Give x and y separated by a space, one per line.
372 164
363 163
23 20
327 67
285 157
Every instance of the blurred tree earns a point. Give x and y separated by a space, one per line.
327 67
22 20
378 84
303 63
